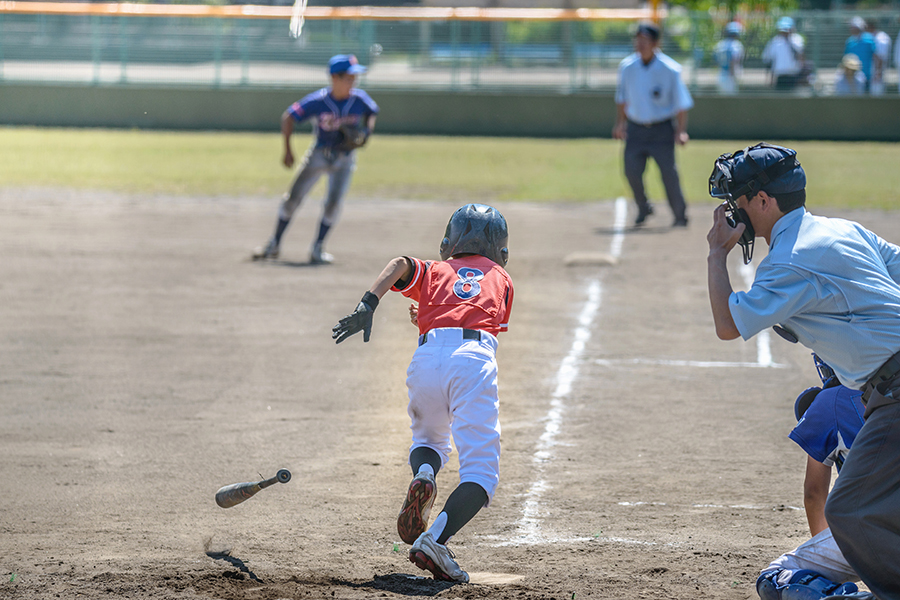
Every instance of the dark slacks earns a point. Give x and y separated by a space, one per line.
656 142
863 509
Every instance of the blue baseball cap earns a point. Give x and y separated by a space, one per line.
345 63
785 24
734 28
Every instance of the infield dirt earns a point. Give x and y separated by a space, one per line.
145 362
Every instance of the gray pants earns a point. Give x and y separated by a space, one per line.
316 162
657 142
863 509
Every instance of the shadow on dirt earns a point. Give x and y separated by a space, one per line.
294 264
400 583
234 561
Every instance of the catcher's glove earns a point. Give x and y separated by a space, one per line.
353 136
359 320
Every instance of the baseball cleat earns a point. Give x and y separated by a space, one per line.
270 250
319 257
428 555
413 519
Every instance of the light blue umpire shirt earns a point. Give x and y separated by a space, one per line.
833 284
654 92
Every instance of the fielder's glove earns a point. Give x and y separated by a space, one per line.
354 137
359 320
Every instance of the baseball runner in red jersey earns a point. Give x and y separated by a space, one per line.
464 301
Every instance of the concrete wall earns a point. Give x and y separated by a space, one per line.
496 114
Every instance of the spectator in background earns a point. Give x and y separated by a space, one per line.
862 44
849 79
730 56
882 58
784 55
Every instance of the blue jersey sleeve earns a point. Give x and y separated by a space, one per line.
828 428
308 106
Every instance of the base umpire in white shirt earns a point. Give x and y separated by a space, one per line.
652 103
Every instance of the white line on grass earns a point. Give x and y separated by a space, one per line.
528 527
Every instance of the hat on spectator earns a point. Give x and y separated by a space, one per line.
345 63
852 62
785 24
858 23
734 28
651 30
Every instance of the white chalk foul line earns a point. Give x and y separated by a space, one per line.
763 341
763 349
528 527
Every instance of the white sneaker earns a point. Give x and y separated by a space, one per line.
270 250
428 555
319 257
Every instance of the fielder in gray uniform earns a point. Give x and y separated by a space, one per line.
344 119
652 103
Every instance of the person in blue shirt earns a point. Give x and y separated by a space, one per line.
652 104
828 420
833 286
333 110
862 44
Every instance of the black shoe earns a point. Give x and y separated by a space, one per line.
682 222
643 213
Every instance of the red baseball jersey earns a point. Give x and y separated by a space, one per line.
472 292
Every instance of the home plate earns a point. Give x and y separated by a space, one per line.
494 578
580 259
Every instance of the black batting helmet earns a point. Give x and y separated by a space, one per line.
477 229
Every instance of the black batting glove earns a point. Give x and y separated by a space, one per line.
359 320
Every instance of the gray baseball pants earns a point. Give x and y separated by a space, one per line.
863 509
338 165
657 142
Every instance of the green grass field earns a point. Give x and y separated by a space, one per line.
841 174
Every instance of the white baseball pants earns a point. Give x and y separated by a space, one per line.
453 392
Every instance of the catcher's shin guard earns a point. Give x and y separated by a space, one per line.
803 585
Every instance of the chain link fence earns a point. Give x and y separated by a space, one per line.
566 55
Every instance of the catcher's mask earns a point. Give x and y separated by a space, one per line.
746 172
477 229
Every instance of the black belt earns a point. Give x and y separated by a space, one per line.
468 334
649 125
873 395
888 371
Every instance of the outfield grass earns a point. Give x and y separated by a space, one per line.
841 174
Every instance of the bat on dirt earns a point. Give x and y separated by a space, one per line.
236 493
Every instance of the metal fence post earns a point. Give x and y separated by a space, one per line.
476 57
454 55
95 48
335 36
1 47
244 49
217 53
817 52
568 42
123 50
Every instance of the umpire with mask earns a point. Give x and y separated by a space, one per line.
833 286
652 103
